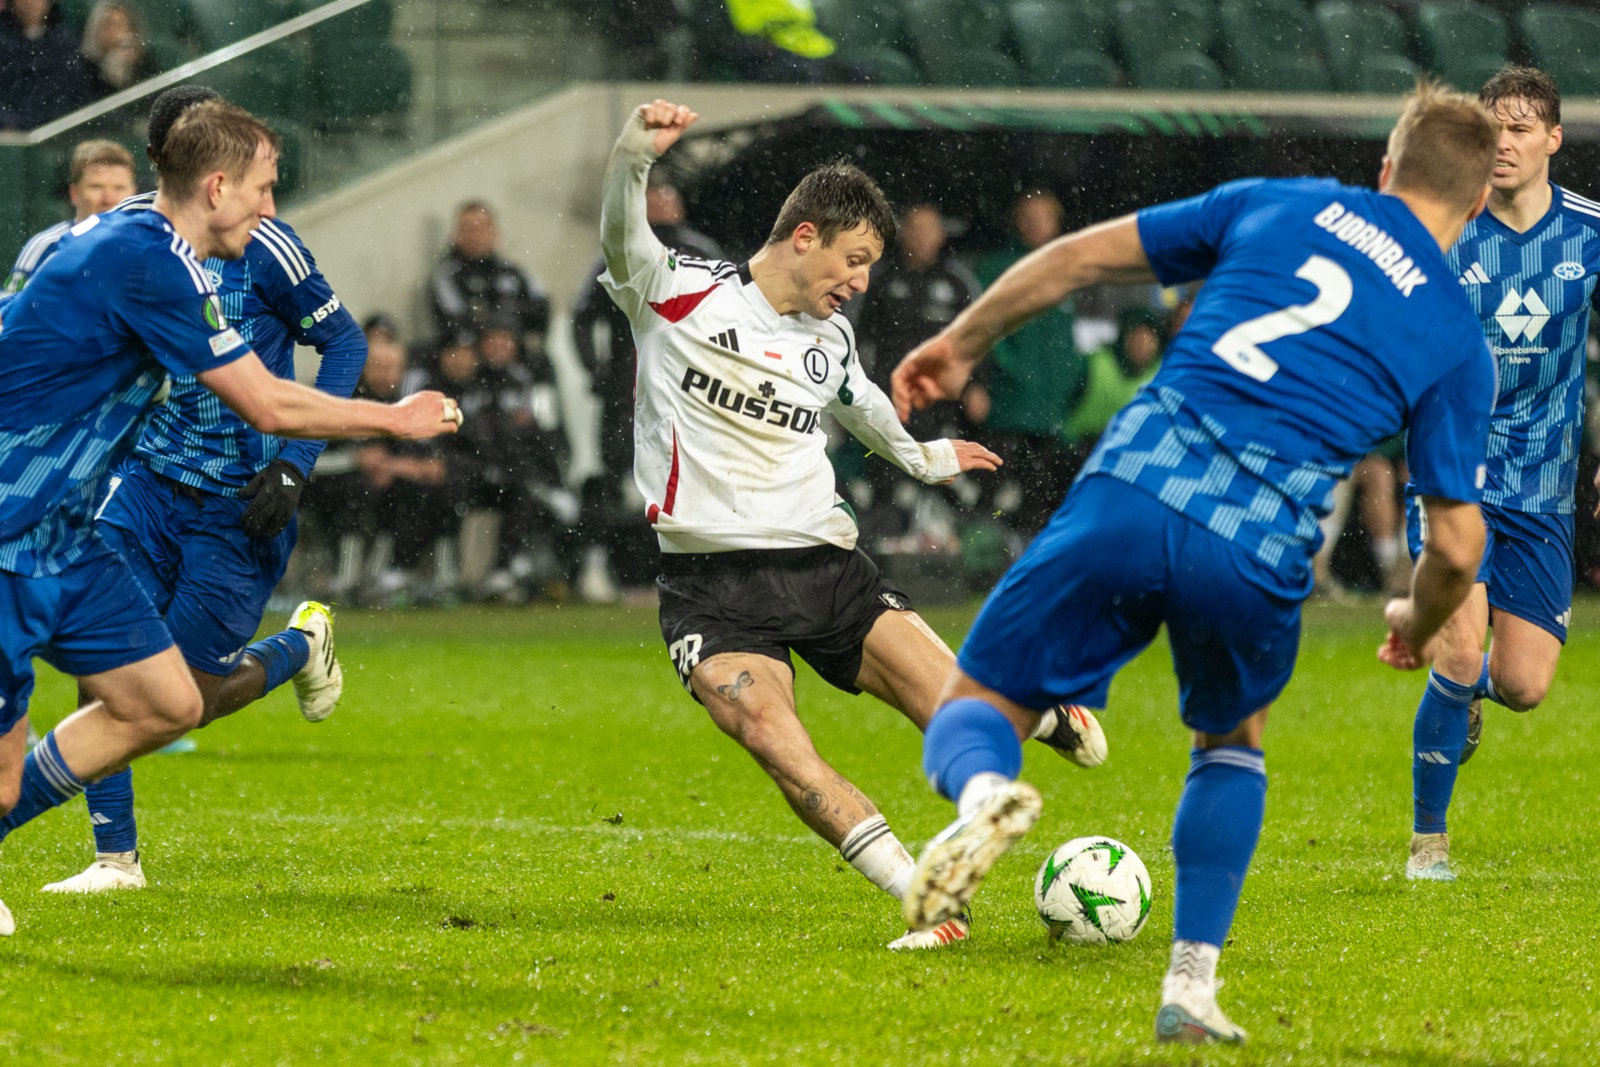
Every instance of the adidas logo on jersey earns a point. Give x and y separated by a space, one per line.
728 339
1522 316
1474 275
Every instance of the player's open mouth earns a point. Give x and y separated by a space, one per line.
837 301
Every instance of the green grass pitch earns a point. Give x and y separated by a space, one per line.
519 841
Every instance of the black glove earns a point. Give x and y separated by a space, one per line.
274 494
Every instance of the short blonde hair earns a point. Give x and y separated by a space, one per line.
1443 145
99 153
210 136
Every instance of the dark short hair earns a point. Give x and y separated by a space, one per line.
834 198
166 108
1512 82
98 153
210 136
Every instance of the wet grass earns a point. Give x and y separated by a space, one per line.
518 841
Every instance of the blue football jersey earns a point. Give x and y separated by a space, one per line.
86 347
1532 292
276 297
1328 321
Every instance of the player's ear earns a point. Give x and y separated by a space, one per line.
212 185
1384 173
1554 143
1483 202
804 237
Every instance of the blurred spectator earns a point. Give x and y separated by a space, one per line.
385 504
1113 375
618 543
517 452
114 42
1031 382
916 290
102 177
42 74
473 281
767 41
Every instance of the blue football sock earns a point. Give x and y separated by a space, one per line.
47 782
281 656
1436 744
967 737
1485 687
111 812
1213 837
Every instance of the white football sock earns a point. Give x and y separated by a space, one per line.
1193 966
872 849
1387 551
978 789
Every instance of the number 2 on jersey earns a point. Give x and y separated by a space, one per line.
1240 347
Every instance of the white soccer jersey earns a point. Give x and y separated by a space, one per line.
729 448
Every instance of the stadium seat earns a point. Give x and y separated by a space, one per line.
1354 35
973 67
1150 29
1565 41
1463 42
862 24
356 80
1271 46
883 65
1057 43
1076 68
1381 72
941 31
268 81
1185 70
871 37
222 22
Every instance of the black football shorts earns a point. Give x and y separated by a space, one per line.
819 602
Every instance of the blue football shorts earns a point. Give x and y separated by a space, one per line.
90 618
1094 588
1527 563
207 577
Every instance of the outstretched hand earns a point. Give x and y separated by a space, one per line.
974 457
668 120
935 370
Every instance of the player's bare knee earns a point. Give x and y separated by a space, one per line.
10 793
1521 694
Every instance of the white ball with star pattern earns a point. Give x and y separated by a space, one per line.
1093 891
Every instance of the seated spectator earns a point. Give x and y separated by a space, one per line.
42 74
114 42
518 450
618 544
385 504
473 281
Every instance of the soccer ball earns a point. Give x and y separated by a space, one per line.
1093 891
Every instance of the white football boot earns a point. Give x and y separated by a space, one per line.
110 870
946 933
952 866
8 925
1430 858
320 682
1189 1014
1074 732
